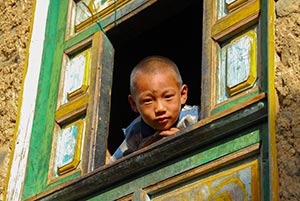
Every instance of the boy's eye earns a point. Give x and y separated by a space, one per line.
169 96
147 100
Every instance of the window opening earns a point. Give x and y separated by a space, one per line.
173 31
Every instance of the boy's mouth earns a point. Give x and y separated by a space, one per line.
162 120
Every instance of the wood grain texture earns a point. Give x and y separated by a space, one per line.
185 141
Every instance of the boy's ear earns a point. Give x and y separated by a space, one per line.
132 103
184 94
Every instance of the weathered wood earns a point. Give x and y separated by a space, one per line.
236 21
208 61
160 152
221 162
102 102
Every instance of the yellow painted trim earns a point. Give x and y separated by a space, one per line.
235 20
131 197
102 14
72 95
205 168
274 181
234 5
20 100
253 165
255 191
253 65
76 160
72 109
226 194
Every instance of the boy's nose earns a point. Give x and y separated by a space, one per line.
160 108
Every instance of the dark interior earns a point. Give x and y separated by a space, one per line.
168 28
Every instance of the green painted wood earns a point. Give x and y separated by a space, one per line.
266 179
169 156
171 169
176 154
81 36
43 123
234 102
125 10
265 166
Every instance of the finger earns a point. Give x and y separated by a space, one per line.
171 131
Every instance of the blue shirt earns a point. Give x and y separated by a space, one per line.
138 134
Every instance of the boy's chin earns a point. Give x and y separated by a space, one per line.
163 128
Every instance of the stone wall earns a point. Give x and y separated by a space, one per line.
14 35
287 83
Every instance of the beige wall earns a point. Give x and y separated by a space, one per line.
288 89
14 35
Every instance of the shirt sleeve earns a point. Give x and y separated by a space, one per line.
119 153
131 141
189 115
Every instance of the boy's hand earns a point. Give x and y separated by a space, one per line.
171 131
157 136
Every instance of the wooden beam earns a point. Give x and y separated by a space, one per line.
184 142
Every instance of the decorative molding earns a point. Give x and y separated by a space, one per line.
77 72
237 67
236 21
241 63
68 147
244 179
234 4
72 110
99 11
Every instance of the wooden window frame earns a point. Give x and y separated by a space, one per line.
213 126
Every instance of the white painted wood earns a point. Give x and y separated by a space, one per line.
21 147
238 61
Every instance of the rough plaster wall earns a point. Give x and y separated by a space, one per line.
288 89
15 18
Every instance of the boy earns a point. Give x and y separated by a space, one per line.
157 94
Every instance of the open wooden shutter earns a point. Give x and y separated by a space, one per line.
231 49
81 118
75 137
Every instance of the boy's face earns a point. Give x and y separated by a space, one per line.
158 98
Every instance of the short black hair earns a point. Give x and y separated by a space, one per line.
153 64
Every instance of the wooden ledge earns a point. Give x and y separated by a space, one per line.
190 139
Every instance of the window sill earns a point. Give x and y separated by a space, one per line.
203 133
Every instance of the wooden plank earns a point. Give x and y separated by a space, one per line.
160 152
100 100
231 110
208 60
270 179
39 150
243 17
101 15
203 169
27 101
72 109
241 98
228 184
